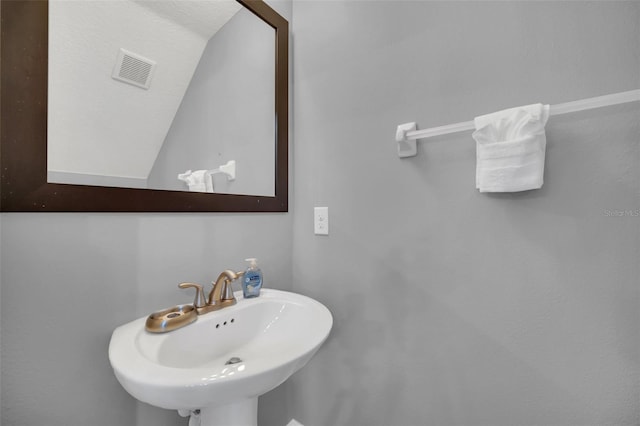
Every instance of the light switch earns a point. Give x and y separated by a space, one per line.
321 220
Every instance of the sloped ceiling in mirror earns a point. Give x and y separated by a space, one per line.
117 128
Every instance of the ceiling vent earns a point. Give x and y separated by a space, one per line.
133 69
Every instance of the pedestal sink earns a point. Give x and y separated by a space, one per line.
216 367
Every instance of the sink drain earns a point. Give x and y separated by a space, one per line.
233 360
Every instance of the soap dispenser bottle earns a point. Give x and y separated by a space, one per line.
252 280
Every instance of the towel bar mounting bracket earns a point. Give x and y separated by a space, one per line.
406 147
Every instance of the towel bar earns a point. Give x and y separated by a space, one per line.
406 134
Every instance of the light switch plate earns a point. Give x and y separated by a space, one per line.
321 220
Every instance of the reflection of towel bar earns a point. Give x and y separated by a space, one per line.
406 134
229 169
202 180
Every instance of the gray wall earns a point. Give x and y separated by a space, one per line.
453 307
227 113
69 279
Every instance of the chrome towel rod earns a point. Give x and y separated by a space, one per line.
406 134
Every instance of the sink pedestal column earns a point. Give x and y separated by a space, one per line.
240 413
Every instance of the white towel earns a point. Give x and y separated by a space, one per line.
198 181
510 149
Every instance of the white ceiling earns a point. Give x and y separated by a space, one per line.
98 125
204 17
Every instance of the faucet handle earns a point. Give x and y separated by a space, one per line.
199 301
228 289
222 290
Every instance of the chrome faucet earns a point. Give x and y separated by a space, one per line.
221 294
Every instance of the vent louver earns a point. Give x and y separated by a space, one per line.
133 69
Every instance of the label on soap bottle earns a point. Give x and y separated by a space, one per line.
252 283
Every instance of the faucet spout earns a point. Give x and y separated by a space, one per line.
222 292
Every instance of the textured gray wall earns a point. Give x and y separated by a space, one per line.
227 113
69 279
453 307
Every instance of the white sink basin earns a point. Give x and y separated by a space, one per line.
267 338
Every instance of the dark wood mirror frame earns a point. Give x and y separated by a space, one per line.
23 129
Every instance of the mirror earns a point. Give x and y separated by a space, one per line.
192 90
209 124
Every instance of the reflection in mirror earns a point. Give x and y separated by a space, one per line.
210 101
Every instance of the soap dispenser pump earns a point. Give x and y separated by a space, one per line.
252 279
